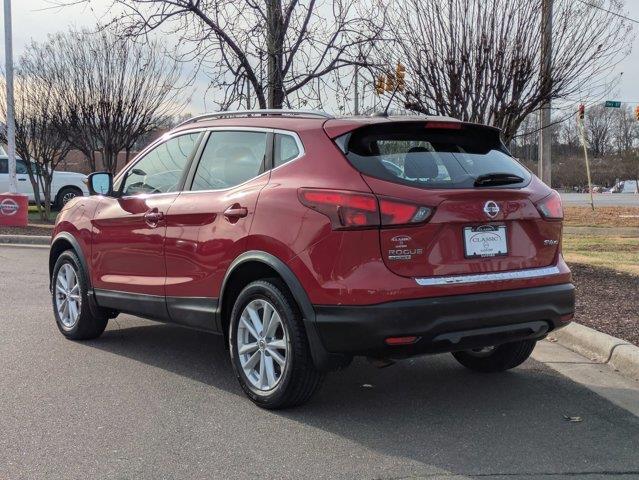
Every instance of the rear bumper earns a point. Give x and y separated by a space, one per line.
445 324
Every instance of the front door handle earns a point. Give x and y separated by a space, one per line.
153 217
235 212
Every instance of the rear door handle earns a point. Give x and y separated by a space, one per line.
234 212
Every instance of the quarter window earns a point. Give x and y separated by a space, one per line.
286 149
230 158
161 169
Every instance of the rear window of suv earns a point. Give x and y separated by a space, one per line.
410 153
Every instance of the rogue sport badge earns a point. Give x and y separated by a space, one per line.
491 209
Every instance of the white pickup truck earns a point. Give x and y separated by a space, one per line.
65 185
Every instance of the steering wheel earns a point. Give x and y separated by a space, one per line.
141 187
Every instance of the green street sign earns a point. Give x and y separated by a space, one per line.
612 104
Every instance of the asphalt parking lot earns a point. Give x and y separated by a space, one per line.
148 400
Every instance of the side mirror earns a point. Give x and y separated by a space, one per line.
100 183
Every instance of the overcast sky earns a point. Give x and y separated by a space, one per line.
34 19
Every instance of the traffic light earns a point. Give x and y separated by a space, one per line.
400 74
390 82
380 84
582 111
637 112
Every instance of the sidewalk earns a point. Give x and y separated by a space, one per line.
596 376
623 356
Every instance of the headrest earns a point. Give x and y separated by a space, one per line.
419 163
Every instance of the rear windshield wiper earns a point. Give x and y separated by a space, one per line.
491 179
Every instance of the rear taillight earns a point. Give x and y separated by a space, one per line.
550 207
394 212
349 210
345 209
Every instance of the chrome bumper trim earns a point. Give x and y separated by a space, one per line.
489 277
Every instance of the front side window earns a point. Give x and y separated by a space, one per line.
230 158
4 165
161 169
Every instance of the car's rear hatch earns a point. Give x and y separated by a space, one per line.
484 205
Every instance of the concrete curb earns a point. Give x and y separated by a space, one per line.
598 346
603 231
24 245
25 239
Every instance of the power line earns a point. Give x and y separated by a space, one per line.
608 11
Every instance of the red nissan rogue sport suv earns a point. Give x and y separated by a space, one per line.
306 240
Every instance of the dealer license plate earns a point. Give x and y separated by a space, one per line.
485 241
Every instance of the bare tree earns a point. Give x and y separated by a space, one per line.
39 140
112 91
265 53
599 123
479 60
569 134
626 130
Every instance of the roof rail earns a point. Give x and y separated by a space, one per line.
250 113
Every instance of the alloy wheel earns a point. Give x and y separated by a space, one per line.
68 196
481 352
68 299
262 344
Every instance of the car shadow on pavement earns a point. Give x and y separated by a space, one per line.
200 356
428 410
432 410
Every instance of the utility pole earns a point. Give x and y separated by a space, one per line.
11 125
356 101
584 142
545 136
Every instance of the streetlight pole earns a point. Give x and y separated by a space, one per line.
545 140
11 126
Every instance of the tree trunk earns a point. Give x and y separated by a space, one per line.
109 160
33 178
47 179
275 47
90 159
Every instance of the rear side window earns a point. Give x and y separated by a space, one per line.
230 158
411 154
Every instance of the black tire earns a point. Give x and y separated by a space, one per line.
299 379
502 357
89 324
66 194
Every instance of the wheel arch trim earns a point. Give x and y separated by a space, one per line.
293 284
75 245
323 360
